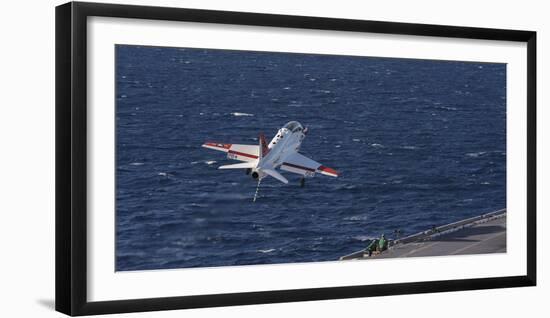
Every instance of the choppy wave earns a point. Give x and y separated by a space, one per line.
236 114
267 250
356 218
476 154
175 209
363 238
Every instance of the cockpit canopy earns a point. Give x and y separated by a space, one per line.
293 126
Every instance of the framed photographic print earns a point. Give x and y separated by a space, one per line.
208 158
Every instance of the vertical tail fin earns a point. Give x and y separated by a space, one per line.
263 146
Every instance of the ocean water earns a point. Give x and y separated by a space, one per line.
418 143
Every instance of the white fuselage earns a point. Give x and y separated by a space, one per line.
281 153
281 146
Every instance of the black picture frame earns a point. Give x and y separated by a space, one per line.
71 157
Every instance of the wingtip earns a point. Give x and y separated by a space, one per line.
215 145
329 171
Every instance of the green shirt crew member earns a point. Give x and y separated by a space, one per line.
382 243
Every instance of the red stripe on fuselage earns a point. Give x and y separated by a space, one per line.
238 153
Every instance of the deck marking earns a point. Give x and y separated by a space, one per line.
419 249
477 243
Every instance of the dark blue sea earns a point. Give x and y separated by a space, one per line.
418 143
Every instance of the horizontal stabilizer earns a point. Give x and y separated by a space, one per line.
275 175
243 165
236 151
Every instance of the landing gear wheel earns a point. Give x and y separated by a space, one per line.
302 182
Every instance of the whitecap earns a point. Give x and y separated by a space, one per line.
163 174
476 154
375 145
337 146
267 251
287 88
294 103
362 238
356 139
409 147
448 108
356 218
241 114
136 164
210 162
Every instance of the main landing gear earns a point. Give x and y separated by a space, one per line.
248 171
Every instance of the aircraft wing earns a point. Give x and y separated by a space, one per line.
300 164
236 151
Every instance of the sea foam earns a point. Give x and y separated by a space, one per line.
236 114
